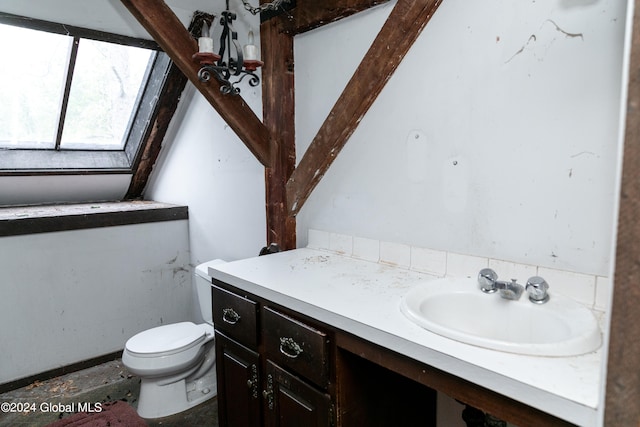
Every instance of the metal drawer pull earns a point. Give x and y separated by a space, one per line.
290 348
230 316
252 382
268 393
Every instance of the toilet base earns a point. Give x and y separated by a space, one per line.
157 401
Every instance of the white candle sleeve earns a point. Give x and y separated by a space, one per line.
205 44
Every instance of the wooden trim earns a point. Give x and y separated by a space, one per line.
151 119
311 14
45 219
154 129
167 30
278 99
402 28
622 403
163 104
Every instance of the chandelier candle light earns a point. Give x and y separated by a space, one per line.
231 61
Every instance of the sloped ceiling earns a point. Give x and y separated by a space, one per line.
103 15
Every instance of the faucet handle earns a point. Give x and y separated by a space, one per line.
487 279
537 288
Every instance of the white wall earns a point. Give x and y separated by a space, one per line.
73 295
204 165
38 189
497 136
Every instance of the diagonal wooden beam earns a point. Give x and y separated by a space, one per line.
310 14
167 30
402 28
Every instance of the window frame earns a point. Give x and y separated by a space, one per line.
47 161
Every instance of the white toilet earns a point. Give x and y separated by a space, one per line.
176 362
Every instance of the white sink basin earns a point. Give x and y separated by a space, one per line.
457 309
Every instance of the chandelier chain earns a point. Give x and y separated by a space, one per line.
263 7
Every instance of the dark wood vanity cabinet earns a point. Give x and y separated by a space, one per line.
289 361
279 368
272 368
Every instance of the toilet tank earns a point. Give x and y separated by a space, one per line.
202 282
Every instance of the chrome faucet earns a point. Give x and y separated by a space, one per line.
487 280
510 290
489 283
536 287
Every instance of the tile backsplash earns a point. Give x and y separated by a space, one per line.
587 289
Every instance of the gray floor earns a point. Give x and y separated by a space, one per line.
103 383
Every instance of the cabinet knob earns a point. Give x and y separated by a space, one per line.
230 316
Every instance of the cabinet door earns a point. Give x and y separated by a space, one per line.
238 384
290 402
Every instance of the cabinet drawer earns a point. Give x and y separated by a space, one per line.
236 316
296 346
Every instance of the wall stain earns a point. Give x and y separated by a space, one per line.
179 270
533 38
583 153
567 34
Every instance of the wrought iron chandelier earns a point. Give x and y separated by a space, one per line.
232 64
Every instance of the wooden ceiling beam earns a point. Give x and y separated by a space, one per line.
167 30
278 101
402 28
310 14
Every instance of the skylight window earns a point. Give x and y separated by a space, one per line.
68 94
106 82
31 86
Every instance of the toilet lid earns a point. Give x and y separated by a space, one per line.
171 338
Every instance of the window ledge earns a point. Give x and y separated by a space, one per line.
16 221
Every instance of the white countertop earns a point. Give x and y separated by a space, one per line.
363 298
